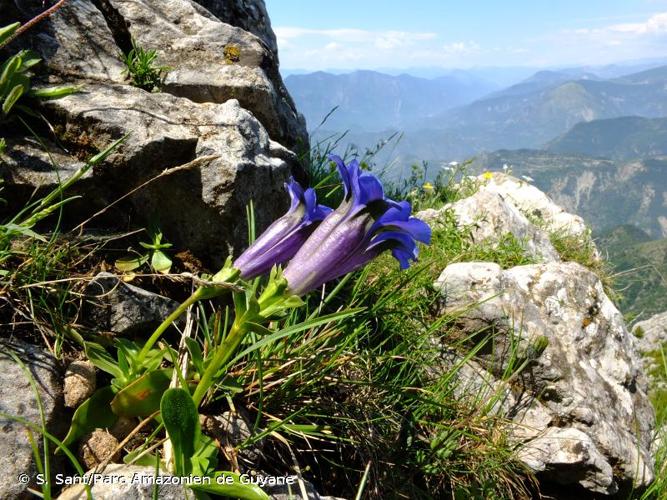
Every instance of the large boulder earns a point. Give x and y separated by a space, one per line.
23 389
223 102
590 422
212 59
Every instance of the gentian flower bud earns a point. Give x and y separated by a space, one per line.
285 236
362 227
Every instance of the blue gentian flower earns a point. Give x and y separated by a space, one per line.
363 226
285 236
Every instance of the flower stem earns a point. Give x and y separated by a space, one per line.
221 356
197 295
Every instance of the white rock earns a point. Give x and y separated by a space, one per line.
589 377
534 203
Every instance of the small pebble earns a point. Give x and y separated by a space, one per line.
97 447
80 383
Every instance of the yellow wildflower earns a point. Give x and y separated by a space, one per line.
487 175
428 187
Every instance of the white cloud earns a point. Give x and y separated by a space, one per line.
461 48
348 47
606 40
656 24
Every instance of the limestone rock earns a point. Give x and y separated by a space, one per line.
76 43
476 387
651 334
570 450
250 15
201 207
118 307
131 482
533 203
588 378
211 59
80 383
233 106
26 164
19 399
489 216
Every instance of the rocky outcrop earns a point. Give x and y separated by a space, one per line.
223 101
583 385
559 363
23 389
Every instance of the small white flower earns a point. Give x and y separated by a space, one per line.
453 163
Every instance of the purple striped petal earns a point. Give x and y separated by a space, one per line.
282 240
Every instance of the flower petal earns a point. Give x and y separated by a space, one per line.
343 172
416 228
295 192
370 189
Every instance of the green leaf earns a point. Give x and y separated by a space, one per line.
7 31
142 397
93 413
228 484
30 59
148 459
99 356
181 420
128 264
160 262
13 96
12 229
205 458
8 72
55 92
195 354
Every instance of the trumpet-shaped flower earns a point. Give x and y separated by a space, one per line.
363 226
285 236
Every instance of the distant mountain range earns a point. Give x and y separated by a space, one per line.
371 101
529 114
447 118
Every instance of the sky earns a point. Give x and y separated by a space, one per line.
373 34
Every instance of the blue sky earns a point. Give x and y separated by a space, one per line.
370 34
